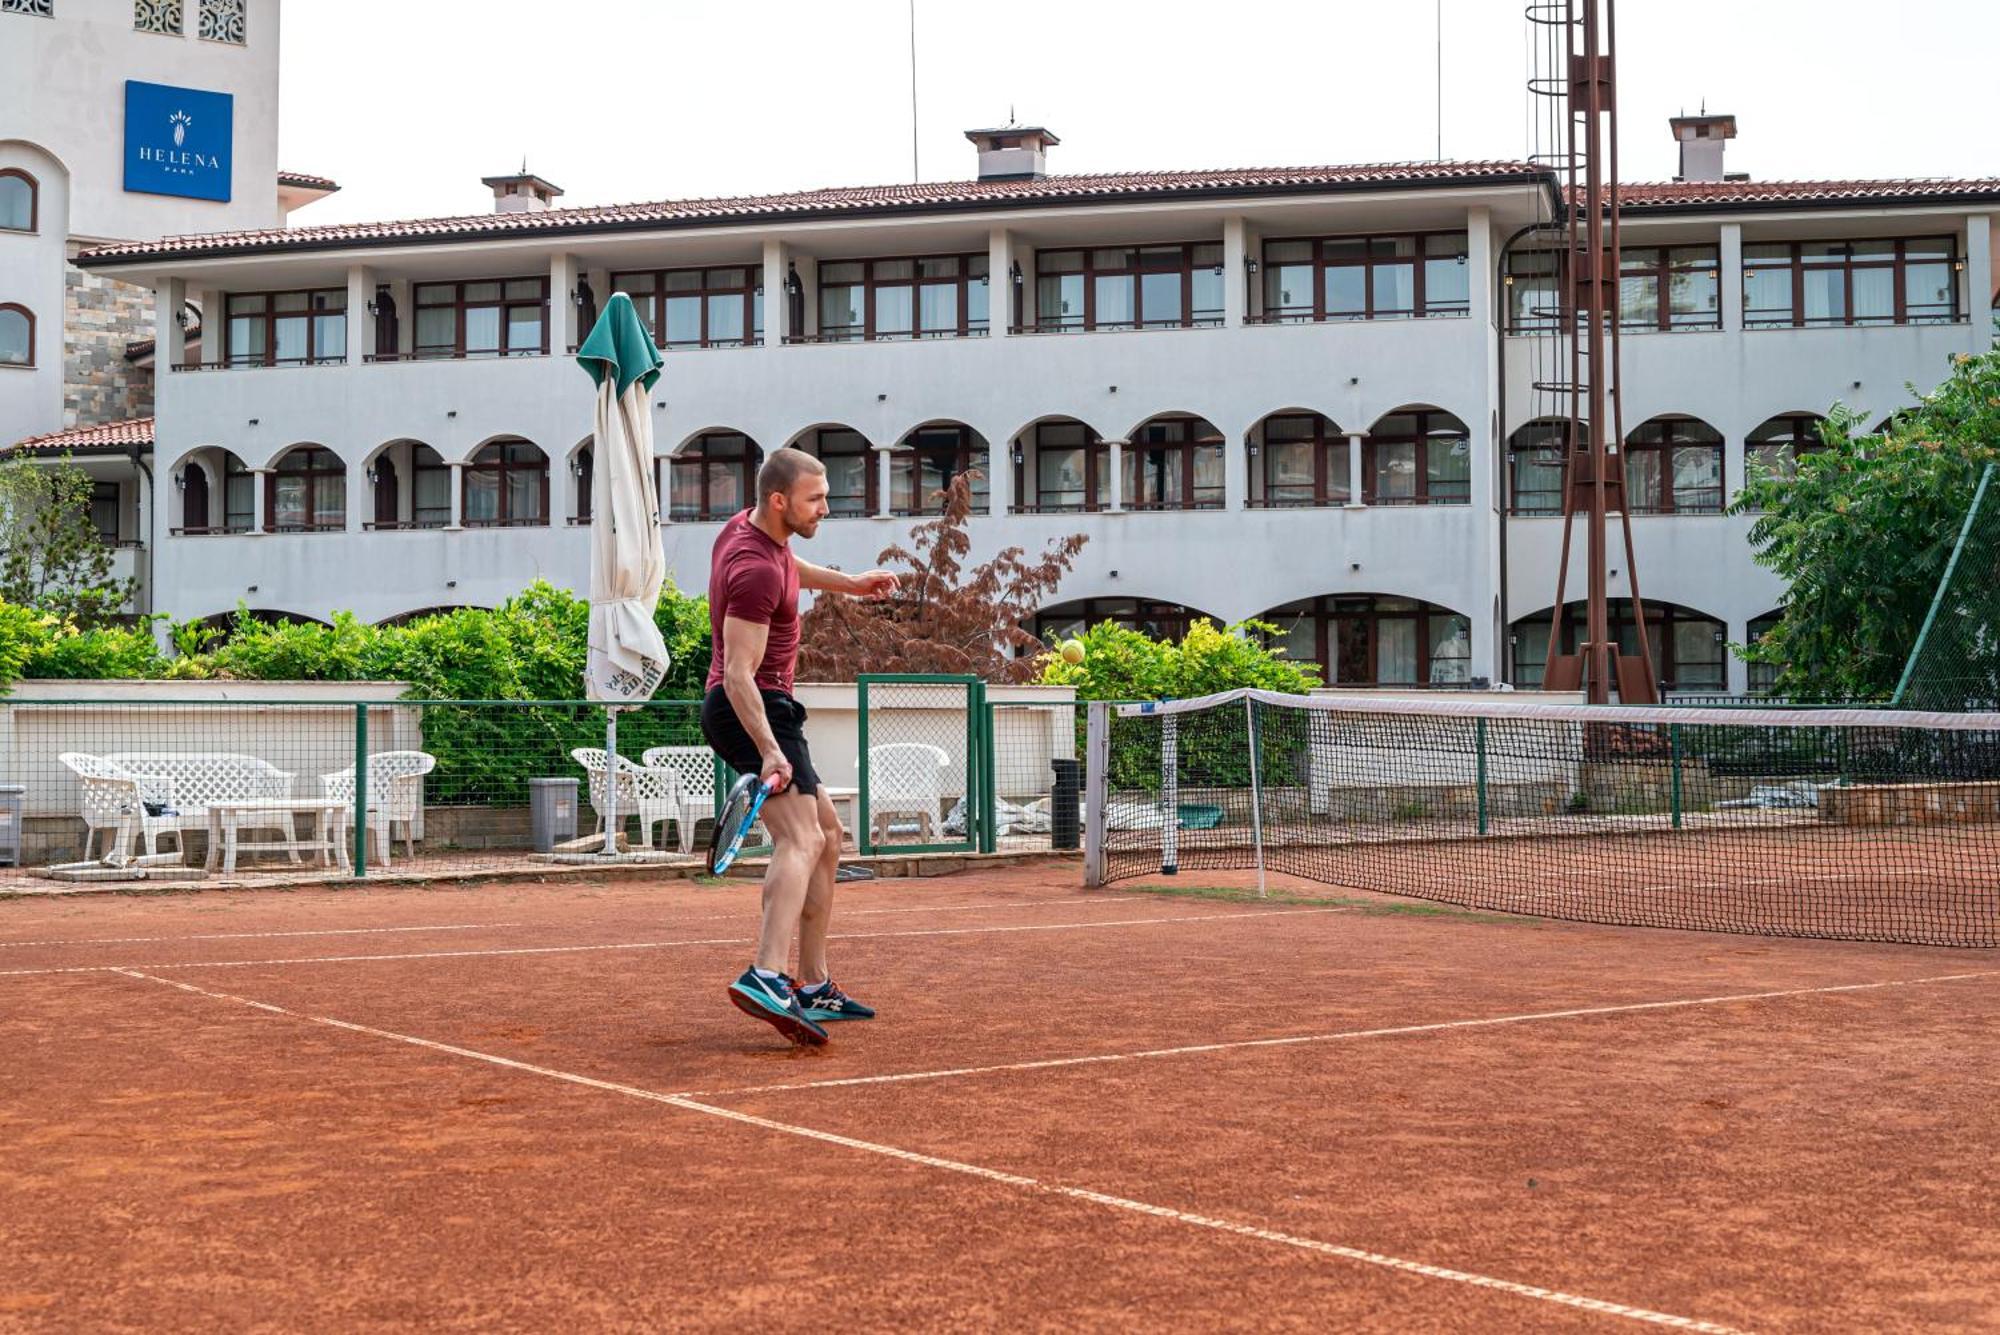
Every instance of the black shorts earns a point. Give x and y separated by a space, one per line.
731 741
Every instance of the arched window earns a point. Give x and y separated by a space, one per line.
193 482
306 492
1418 457
714 476
17 335
1763 676
1068 469
1174 463
1774 447
1369 640
239 495
930 458
582 465
507 486
1159 621
1689 648
1301 461
850 468
1673 465
20 200
1537 458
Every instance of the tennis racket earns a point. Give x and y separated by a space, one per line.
739 813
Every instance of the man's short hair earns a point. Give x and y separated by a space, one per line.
782 468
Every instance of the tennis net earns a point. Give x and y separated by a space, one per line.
1859 824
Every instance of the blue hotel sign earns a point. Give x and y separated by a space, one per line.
178 141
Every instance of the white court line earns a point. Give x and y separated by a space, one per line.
1297 1040
995 1175
1246 915
475 926
244 936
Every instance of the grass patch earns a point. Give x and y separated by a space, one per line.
1377 908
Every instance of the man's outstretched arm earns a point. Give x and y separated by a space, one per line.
867 584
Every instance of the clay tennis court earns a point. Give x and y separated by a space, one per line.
529 1106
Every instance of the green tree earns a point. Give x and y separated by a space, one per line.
1861 532
51 555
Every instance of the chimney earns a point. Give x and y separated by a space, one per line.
1702 139
1013 152
523 192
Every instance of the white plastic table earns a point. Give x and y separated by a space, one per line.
225 820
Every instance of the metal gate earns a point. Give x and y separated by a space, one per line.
926 764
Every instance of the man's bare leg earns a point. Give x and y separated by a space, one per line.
817 915
794 824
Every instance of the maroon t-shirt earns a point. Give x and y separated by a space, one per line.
752 578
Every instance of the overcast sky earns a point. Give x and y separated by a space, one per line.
407 103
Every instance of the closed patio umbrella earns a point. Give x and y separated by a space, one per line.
627 659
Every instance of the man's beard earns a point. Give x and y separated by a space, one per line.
803 530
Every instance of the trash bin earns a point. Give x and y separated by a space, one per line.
551 812
1065 804
13 799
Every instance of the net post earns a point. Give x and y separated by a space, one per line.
1479 777
1256 791
1170 794
1674 751
360 790
1096 785
989 795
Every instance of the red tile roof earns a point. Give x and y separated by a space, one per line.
926 197
114 435
305 181
1747 194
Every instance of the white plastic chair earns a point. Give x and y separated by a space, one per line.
652 795
115 799
694 771
905 779
395 793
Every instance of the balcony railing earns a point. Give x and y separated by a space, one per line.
1073 324
245 363
522 521
404 525
328 526
1294 502
209 530
1155 507
852 334
1294 315
455 354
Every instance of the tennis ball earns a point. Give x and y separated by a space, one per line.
1072 652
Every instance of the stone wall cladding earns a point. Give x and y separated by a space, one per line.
101 316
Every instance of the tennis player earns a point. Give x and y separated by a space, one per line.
752 721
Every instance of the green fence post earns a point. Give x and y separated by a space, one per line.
864 833
1674 749
1479 747
360 791
989 797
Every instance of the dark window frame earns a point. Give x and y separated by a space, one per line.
1327 440
29 316
458 305
422 516
269 318
1183 453
1090 272
1095 454
871 284
694 457
906 471
751 290
1329 611
1803 438
1518 445
101 490
870 486
1661 618
1549 265
34 226
1420 306
503 468
315 479
1162 620
1421 436
582 472
1898 263
1638 445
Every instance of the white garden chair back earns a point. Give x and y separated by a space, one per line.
694 770
652 795
114 799
395 793
188 781
906 779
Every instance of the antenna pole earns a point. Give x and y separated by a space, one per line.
916 172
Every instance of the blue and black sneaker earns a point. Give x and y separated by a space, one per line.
772 1001
828 1002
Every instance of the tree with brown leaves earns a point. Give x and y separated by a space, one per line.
940 619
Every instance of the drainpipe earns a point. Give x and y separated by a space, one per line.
146 471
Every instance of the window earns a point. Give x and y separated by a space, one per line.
288 328
17 335
1763 676
492 318
1365 640
1668 287
1774 447
1301 461
1129 287
507 486
239 496
162 16
1538 458
1797 284
430 489
927 296
19 200
1673 465
223 21
1365 278
714 476
1069 469
1174 463
930 458
699 308
1688 649
581 468
104 510
850 469
1533 287
306 492
1159 621
1422 457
